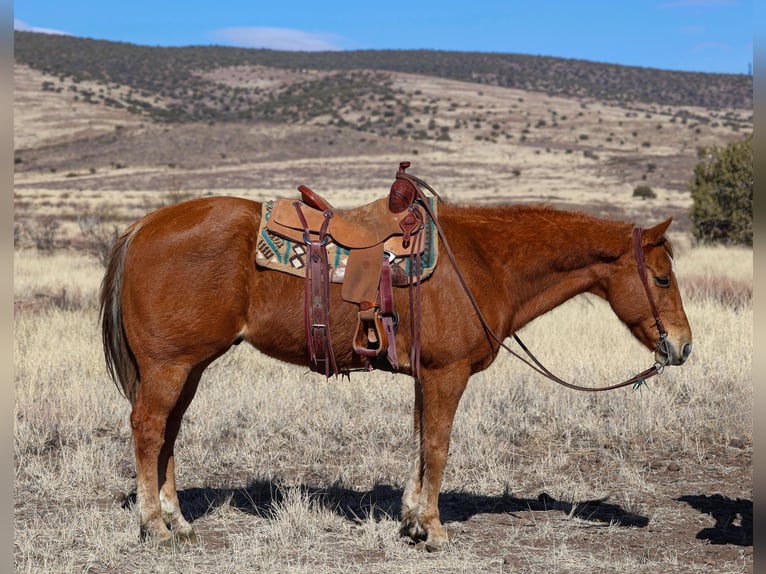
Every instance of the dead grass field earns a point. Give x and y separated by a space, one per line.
282 471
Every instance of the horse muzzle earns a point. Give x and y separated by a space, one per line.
672 352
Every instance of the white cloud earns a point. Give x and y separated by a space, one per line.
693 30
275 39
24 27
686 3
711 46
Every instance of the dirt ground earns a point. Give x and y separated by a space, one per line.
680 524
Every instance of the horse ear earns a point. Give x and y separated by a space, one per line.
654 235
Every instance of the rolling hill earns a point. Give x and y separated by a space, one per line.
93 117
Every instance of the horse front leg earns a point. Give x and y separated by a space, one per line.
411 498
440 394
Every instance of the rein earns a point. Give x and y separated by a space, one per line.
532 361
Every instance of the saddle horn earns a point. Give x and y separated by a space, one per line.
403 192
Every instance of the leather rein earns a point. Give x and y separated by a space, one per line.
532 361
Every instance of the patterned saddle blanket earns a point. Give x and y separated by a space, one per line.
281 254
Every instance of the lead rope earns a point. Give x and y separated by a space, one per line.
415 302
637 380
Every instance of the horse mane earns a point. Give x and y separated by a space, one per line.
579 238
512 212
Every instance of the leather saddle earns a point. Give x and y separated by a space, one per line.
374 234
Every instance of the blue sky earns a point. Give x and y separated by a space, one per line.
690 35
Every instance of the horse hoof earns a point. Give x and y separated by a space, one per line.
163 537
187 538
170 542
178 541
437 543
436 546
413 530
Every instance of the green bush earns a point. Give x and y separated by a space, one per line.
722 194
644 192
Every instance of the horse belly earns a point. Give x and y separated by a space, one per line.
277 324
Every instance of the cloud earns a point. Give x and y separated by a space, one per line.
693 30
711 46
687 3
275 39
24 27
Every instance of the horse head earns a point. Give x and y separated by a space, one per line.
642 289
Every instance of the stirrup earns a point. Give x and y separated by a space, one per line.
369 320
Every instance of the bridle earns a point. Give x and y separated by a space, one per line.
532 361
638 253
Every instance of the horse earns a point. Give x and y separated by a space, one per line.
181 288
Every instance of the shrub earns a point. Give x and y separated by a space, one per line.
18 234
644 192
722 194
43 233
99 235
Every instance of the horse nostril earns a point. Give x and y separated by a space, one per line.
686 350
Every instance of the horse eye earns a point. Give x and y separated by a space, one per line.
662 281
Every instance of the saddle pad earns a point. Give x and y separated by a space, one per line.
280 254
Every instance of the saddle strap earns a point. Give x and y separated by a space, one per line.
317 299
388 313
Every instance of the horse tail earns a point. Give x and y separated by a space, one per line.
120 361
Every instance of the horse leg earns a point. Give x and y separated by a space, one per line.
410 499
441 392
169 503
158 396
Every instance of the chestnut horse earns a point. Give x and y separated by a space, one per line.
181 288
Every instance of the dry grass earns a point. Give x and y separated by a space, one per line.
284 472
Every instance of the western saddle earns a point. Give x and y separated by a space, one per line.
374 234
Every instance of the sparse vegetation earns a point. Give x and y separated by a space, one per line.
644 192
43 232
99 233
167 84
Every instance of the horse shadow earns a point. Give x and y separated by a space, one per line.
725 512
262 498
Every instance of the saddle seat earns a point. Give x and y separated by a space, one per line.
355 228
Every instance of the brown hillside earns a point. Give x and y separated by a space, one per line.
343 132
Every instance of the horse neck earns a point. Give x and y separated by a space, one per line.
544 256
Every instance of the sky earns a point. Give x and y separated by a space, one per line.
689 35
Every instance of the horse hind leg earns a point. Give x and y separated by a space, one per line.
171 508
169 503
163 396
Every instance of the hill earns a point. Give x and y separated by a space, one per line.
174 83
92 118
